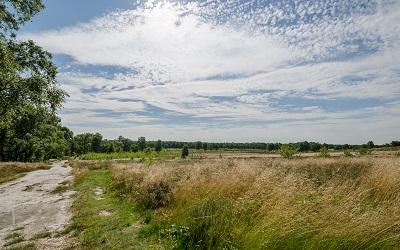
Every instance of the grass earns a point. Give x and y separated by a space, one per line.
41 235
27 246
12 170
13 238
341 203
141 156
118 230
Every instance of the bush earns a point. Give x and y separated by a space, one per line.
364 151
185 151
288 151
324 152
347 153
155 195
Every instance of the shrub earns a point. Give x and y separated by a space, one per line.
364 151
156 194
347 153
323 152
185 151
288 151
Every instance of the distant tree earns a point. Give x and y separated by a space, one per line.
199 145
185 151
370 144
205 145
158 146
126 144
395 143
97 140
304 146
141 143
135 148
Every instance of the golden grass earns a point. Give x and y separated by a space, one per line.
12 170
270 203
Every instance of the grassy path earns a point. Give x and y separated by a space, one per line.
102 219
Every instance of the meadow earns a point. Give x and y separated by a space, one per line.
219 201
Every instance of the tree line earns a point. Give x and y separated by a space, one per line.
94 142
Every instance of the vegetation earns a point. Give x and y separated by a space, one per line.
275 204
185 151
106 221
288 150
29 94
13 170
347 153
324 152
149 155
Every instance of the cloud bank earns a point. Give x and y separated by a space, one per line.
234 71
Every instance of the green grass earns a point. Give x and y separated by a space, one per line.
13 238
142 156
28 246
119 230
41 235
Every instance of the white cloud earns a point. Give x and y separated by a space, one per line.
229 61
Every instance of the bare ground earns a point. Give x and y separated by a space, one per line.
31 206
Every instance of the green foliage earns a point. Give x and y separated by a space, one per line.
364 151
164 154
141 143
29 94
185 151
347 153
158 146
288 150
324 152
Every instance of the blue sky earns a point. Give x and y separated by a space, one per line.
290 70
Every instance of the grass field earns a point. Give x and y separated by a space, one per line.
236 203
13 170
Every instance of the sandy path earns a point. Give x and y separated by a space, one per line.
28 205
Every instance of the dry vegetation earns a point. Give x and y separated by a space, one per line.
13 170
267 203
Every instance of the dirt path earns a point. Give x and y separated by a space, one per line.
31 205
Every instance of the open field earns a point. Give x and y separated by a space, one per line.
171 154
239 203
12 170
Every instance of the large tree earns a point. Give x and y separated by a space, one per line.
29 94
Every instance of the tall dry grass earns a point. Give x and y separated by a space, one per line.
269 204
12 170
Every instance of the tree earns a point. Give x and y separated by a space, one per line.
205 146
370 144
158 146
185 151
324 152
288 150
97 140
141 143
29 94
199 145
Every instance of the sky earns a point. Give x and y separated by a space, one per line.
232 71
